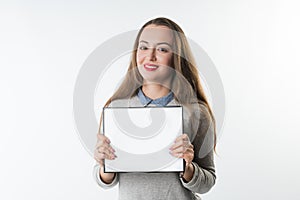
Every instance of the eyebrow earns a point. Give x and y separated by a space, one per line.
157 43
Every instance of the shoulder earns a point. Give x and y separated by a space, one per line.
204 112
197 111
197 119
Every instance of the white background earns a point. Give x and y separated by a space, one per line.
254 45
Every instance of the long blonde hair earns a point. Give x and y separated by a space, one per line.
183 64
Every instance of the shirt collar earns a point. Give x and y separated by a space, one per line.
162 101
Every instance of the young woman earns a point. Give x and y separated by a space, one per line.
162 72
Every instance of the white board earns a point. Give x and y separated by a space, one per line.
142 137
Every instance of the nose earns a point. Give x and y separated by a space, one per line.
152 54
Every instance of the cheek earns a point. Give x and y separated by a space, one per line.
139 58
165 59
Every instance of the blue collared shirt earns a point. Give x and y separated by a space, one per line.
163 101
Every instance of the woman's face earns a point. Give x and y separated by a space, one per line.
154 54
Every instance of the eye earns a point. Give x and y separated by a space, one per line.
162 49
143 48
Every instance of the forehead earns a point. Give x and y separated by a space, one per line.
157 34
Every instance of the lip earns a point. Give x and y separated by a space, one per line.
150 67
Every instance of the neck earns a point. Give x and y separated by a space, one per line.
155 91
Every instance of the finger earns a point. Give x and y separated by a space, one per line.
187 154
183 149
180 149
104 143
178 155
104 155
179 144
100 144
109 154
183 137
106 150
189 150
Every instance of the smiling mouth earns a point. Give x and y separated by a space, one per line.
150 67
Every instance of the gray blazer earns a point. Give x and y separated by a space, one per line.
170 186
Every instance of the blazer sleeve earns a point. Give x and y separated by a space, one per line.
96 170
204 176
99 181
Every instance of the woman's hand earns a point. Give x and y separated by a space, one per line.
182 148
103 150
